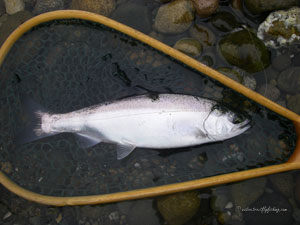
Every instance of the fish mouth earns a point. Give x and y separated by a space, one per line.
243 126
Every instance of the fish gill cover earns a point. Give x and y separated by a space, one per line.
66 65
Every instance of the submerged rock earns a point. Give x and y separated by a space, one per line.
284 183
43 6
289 80
189 46
281 28
293 103
238 76
270 91
224 21
14 6
128 13
102 7
175 17
205 8
259 6
245 50
177 209
202 34
246 192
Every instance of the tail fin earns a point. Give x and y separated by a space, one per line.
33 114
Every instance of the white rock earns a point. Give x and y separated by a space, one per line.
14 6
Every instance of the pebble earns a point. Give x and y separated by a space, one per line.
224 21
243 49
174 17
246 192
293 103
179 208
281 28
270 91
43 6
289 80
281 62
205 8
2 8
203 34
102 7
189 46
284 183
14 6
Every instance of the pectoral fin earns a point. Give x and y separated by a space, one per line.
124 149
86 141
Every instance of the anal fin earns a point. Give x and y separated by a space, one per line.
124 149
86 141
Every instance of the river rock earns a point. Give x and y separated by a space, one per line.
205 8
281 62
293 103
128 13
289 80
102 7
284 183
239 76
174 17
189 46
246 192
177 209
11 23
2 7
245 50
281 28
202 34
224 21
259 6
270 91
43 6
14 6
267 211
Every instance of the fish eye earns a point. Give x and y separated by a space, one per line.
238 119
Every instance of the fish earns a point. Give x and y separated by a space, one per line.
156 121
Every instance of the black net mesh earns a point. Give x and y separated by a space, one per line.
66 65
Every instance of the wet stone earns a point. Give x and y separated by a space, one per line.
43 6
202 34
281 28
205 8
246 192
270 91
14 6
177 209
293 103
245 50
133 15
284 183
175 17
259 6
189 46
224 21
289 80
281 62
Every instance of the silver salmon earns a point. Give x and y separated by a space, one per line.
148 121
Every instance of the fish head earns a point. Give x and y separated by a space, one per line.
224 124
